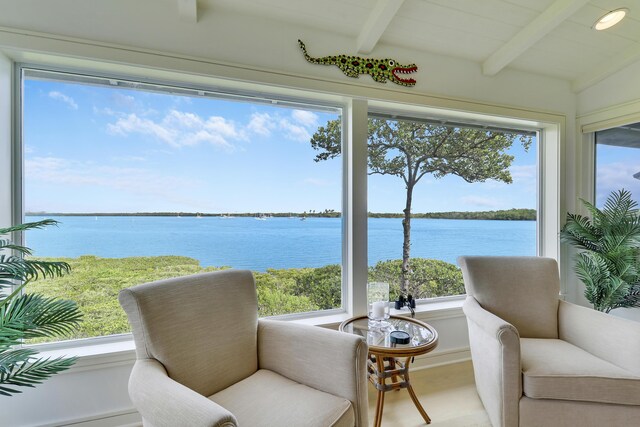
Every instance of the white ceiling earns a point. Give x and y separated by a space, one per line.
547 37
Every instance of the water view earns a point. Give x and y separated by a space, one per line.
245 242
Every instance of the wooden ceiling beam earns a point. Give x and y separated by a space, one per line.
553 16
376 24
188 10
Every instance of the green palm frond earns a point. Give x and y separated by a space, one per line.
609 264
19 368
28 226
597 216
26 316
35 316
601 287
618 206
579 231
14 268
8 245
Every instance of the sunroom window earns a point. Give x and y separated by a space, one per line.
152 181
617 162
440 189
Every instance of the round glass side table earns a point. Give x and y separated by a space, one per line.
391 349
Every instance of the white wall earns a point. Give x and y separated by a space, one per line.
92 396
262 51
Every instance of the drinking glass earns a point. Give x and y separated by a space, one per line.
378 303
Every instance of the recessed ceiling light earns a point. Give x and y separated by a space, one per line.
610 19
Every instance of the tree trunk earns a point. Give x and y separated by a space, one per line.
406 244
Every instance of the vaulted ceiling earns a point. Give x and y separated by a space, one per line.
548 37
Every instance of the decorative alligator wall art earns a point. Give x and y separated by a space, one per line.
380 70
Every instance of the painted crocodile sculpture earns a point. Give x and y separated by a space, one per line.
380 70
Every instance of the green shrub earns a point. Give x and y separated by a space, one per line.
94 284
429 278
273 302
323 286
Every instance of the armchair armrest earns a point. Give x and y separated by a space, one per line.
495 351
164 402
611 338
327 360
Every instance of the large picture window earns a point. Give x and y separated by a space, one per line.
151 182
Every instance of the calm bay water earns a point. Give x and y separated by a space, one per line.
244 242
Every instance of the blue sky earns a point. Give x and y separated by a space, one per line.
615 167
102 149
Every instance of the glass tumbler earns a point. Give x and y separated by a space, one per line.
378 303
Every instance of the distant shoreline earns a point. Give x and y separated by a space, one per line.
508 214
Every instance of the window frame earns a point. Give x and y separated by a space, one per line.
551 137
18 156
393 113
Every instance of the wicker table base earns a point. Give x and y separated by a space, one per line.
388 364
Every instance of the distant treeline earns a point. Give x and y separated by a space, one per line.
508 214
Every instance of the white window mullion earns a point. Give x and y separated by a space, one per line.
355 130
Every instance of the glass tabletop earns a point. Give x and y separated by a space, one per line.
422 337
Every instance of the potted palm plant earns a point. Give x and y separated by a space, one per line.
26 316
609 242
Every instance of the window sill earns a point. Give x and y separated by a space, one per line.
120 350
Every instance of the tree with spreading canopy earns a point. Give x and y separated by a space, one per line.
411 149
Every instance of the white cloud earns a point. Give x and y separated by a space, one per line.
178 128
223 127
481 202
181 129
134 124
124 101
294 132
615 176
305 118
297 128
261 123
130 180
59 96
524 172
106 111
183 120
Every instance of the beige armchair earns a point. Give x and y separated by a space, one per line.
205 359
540 361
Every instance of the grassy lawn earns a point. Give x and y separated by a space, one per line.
94 284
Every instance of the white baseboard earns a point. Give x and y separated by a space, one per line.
439 358
124 418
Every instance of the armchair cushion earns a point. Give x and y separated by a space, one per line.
608 337
521 290
254 403
204 341
556 369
